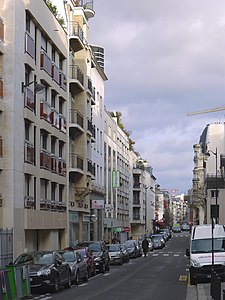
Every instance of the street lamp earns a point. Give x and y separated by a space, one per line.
38 87
216 213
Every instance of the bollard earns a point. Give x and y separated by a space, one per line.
215 286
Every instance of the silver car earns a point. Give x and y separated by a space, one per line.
78 266
115 254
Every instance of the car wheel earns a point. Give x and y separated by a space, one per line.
68 284
77 278
56 284
193 281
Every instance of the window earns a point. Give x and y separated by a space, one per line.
44 189
53 144
53 54
61 148
27 129
43 42
27 24
44 138
214 212
53 99
53 189
61 189
214 193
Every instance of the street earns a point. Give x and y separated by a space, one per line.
163 274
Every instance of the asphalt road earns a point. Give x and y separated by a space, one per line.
162 275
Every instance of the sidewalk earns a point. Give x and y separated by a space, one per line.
201 291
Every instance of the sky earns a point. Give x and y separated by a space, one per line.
163 59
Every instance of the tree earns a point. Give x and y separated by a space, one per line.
54 10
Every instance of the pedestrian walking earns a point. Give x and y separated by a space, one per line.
145 246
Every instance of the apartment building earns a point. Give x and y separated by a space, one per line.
210 156
98 192
82 97
33 118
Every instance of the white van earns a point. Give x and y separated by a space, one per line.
200 252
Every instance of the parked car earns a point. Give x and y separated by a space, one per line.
139 247
115 254
78 266
176 228
47 269
165 235
89 259
185 227
150 244
126 256
168 231
161 236
131 248
100 254
157 242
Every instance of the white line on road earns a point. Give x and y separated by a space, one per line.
155 254
166 254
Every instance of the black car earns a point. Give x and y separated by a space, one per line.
47 269
131 248
100 253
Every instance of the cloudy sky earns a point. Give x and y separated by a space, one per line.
163 59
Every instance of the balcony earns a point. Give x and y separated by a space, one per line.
76 36
137 185
29 45
76 79
45 160
62 123
212 181
90 167
29 153
55 118
62 167
62 80
1 94
54 163
29 202
45 111
91 90
76 123
55 73
76 164
1 36
52 205
29 99
88 8
46 63
91 129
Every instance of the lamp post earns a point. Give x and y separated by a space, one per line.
216 213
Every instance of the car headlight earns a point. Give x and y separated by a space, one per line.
97 259
44 272
195 264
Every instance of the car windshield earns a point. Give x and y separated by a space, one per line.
95 247
69 256
205 245
114 248
35 258
156 238
129 244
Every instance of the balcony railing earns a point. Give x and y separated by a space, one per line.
1 29
46 63
29 202
29 45
62 80
1 88
90 167
62 123
45 111
76 30
54 163
55 73
45 160
62 167
76 118
55 118
137 185
76 74
52 205
29 153
76 162
29 99
1 146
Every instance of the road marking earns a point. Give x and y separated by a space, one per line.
107 274
183 278
166 254
155 254
176 255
